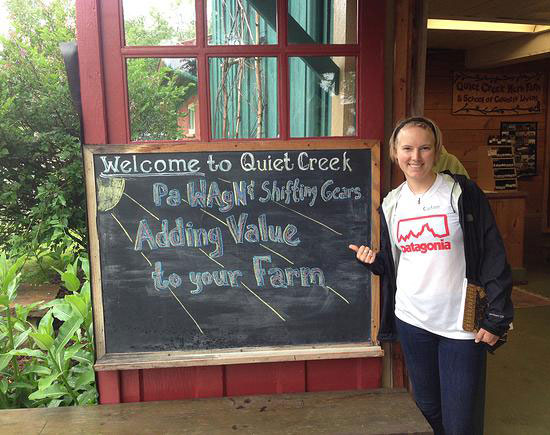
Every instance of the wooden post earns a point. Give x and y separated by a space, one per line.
546 169
409 72
409 75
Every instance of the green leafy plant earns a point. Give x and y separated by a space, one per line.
42 198
42 365
42 192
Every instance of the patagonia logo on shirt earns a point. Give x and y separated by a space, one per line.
423 234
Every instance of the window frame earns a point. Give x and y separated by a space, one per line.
369 70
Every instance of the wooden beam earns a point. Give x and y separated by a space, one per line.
546 170
418 61
147 360
379 411
401 71
409 77
521 49
410 64
90 58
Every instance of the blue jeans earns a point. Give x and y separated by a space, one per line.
448 379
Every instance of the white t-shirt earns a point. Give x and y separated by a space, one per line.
432 269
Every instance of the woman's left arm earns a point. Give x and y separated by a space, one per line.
486 337
495 276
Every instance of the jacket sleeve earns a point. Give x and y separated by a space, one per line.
494 272
384 266
377 267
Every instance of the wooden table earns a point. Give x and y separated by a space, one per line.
365 412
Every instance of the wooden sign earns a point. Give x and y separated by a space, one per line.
223 256
497 94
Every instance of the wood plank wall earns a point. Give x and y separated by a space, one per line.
176 383
463 134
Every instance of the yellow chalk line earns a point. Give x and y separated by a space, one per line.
188 313
264 302
124 193
209 214
128 235
338 294
307 217
226 181
212 258
121 226
276 253
150 264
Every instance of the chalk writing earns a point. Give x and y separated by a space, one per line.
240 232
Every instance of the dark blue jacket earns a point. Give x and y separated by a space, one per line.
486 263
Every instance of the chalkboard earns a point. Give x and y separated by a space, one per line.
205 251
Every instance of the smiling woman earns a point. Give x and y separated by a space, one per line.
416 156
443 236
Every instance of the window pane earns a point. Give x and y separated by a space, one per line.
322 21
154 22
243 97
322 96
160 94
242 22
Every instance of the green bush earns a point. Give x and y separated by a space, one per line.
42 196
42 365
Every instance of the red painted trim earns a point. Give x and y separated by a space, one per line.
344 374
115 73
201 28
240 50
91 72
249 139
202 72
283 102
267 378
282 71
372 69
369 373
361 68
182 383
104 96
206 114
108 386
130 390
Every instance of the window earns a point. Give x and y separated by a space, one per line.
322 96
243 97
233 69
242 22
154 22
159 92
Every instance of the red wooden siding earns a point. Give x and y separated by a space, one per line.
102 69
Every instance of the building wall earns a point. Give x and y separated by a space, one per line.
102 56
184 120
464 134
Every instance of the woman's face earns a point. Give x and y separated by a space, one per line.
415 153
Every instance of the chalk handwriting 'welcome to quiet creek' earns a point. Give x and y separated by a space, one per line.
131 166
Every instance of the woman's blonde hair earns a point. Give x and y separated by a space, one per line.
416 121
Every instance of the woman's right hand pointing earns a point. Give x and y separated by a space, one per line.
363 253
